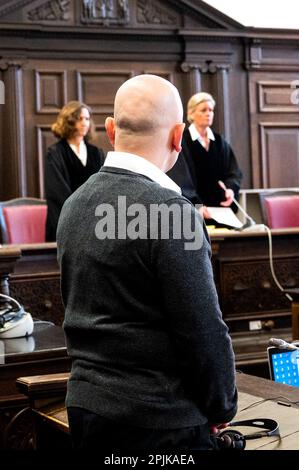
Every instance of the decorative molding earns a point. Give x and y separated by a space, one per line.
167 75
92 80
261 55
105 12
53 84
149 12
6 63
275 91
52 10
208 66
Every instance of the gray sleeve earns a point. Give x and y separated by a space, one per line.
200 337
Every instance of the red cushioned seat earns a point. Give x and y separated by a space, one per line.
23 220
282 211
25 224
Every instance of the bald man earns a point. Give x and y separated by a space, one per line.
152 361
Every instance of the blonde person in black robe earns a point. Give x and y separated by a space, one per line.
206 158
70 161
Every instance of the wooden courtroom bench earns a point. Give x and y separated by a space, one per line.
44 352
258 398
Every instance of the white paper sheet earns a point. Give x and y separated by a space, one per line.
224 215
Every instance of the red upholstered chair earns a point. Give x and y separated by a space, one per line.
280 210
23 220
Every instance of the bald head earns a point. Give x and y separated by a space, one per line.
147 109
145 104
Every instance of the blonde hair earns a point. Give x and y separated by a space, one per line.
195 100
64 126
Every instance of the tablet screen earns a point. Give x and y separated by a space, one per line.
284 366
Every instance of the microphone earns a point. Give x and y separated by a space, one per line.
282 344
251 224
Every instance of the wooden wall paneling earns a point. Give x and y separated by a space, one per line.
45 138
166 74
97 88
279 154
199 47
51 91
273 53
275 97
274 130
1 139
46 91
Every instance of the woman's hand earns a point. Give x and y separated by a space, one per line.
229 197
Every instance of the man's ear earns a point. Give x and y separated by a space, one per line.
177 137
110 129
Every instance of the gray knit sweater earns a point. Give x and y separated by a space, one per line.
142 321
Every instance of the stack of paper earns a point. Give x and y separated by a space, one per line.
225 216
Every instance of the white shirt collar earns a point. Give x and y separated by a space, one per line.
132 162
82 155
195 135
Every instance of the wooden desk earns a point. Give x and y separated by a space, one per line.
248 296
252 305
258 398
30 273
42 353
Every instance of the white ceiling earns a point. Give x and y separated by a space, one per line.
261 13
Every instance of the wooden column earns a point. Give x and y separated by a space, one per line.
13 178
193 76
223 102
218 72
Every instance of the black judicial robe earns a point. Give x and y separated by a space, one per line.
64 173
197 171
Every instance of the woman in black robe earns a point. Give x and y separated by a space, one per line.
206 158
70 161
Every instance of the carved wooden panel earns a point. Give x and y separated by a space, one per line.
51 91
154 13
105 12
97 88
41 297
45 138
49 11
248 288
279 154
276 97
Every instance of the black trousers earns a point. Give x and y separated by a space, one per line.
91 431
